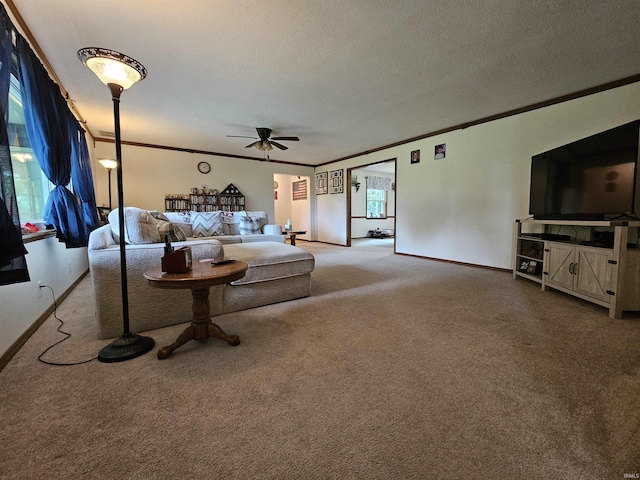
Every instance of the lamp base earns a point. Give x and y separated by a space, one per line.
126 347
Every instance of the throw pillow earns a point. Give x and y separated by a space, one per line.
229 224
249 225
139 226
262 216
166 227
169 228
158 216
206 224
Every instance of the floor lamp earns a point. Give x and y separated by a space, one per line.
118 72
109 165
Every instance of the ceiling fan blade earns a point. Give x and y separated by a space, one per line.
254 144
289 139
276 144
240 136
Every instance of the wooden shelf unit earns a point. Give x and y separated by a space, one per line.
177 203
201 202
230 199
605 274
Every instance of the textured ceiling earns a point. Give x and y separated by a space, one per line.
344 76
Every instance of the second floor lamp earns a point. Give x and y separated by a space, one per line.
109 164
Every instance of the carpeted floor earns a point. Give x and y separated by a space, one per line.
394 368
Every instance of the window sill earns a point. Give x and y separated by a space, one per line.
32 237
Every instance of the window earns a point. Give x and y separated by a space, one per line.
31 185
376 203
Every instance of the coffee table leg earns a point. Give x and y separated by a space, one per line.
292 236
215 331
201 327
187 335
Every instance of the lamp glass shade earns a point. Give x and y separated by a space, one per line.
112 67
108 163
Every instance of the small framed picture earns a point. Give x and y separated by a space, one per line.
440 151
415 156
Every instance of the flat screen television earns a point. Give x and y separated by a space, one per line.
594 178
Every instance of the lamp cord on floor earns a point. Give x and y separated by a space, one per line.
59 329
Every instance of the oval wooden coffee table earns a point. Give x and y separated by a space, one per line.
199 279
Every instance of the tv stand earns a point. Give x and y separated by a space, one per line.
575 263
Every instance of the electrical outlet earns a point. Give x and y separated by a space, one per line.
69 267
39 289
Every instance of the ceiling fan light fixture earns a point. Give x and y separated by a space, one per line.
112 67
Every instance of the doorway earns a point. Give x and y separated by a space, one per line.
371 203
292 201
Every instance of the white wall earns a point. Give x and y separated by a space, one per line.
150 173
462 208
282 205
51 263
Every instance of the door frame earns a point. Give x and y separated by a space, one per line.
394 190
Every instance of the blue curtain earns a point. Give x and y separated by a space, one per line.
13 265
47 125
81 177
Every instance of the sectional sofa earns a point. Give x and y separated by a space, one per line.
277 272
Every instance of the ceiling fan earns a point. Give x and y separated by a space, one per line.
265 142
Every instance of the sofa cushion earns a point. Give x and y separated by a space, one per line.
101 238
272 230
178 217
139 226
206 224
270 261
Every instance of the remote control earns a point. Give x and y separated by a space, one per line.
222 262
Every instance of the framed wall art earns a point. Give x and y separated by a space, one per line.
335 182
415 156
322 185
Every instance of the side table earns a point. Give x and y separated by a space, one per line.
199 279
292 235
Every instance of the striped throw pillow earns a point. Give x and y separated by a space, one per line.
206 224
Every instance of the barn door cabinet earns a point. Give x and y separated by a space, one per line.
574 262
582 271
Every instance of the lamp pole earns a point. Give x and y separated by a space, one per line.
110 205
118 72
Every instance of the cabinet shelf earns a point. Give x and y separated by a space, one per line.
529 258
